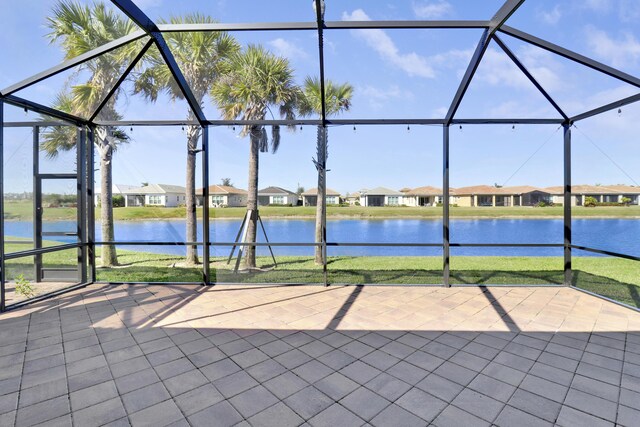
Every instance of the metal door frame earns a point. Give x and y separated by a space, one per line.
58 274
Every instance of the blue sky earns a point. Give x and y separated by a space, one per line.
396 74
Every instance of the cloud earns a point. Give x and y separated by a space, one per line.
618 52
287 49
551 17
453 58
377 97
629 10
432 10
497 69
383 94
597 5
411 63
544 66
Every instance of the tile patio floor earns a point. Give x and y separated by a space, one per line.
337 356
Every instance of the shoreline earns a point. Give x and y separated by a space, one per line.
361 217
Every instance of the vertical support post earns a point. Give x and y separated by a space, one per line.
37 203
82 201
445 205
91 205
567 204
319 6
205 205
324 200
2 272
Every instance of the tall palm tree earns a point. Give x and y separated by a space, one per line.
337 100
78 29
253 83
199 55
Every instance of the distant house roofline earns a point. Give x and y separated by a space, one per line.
380 191
275 191
314 192
216 190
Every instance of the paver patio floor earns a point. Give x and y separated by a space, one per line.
339 356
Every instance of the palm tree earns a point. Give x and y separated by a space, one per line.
337 100
199 55
79 29
253 83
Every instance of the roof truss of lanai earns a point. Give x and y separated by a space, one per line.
494 31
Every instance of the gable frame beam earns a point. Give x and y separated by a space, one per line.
78 60
573 56
507 9
142 20
121 79
532 79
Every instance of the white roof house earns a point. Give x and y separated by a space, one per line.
165 195
116 189
381 196
276 196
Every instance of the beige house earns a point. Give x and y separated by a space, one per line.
487 195
602 194
310 197
476 195
423 196
225 196
353 199
631 192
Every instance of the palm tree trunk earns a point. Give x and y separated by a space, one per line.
109 257
321 201
252 198
193 133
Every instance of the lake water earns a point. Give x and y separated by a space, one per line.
618 235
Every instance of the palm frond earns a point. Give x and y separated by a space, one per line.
78 28
337 97
252 83
275 138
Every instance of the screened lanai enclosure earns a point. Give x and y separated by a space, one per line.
499 141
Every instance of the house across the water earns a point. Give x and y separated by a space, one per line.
277 196
310 197
224 196
381 196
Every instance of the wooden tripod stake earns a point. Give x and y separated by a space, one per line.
241 243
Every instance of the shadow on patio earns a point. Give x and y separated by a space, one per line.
283 355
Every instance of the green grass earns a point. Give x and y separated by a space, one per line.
23 210
615 278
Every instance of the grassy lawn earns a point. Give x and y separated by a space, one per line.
23 210
612 277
